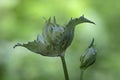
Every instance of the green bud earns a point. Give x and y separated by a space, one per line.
88 57
55 38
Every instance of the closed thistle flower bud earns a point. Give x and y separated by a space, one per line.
88 57
55 38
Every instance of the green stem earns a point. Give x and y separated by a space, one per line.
81 74
64 68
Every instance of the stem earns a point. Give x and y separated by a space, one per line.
81 74
64 68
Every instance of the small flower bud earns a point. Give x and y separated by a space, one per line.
88 57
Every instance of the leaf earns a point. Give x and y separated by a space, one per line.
76 21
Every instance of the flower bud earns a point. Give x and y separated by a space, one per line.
88 57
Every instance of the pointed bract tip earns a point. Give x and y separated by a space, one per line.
49 20
86 20
93 23
82 16
91 44
54 19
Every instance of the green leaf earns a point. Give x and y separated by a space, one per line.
76 21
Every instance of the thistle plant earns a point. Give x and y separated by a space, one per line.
55 39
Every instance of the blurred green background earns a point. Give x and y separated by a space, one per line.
22 20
